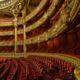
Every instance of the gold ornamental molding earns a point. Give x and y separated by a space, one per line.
68 12
68 58
60 26
36 24
7 3
11 6
75 6
9 22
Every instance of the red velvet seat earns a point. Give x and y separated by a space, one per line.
13 70
6 70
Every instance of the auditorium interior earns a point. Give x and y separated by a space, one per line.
39 39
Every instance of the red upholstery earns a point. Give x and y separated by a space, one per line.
36 68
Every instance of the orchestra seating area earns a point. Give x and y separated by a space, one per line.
36 68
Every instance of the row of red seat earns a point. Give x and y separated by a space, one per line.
36 68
